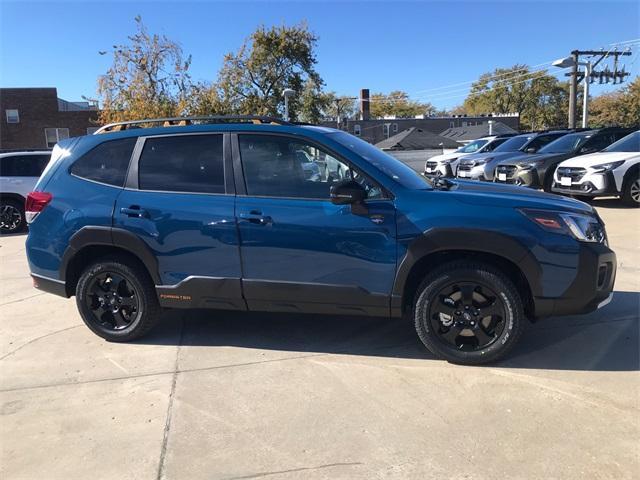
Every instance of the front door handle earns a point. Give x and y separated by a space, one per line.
256 218
134 211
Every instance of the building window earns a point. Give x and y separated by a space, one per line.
394 127
385 130
356 130
91 130
12 116
54 135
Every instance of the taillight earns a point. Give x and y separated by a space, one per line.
36 202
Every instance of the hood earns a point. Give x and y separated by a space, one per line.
599 158
490 157
501 195
446 157
540 158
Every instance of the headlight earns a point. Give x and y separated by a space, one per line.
585 228
606 167
529 166
482 161
449 160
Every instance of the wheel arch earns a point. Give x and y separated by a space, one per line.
443 246
91 243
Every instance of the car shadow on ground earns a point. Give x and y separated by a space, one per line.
609 203
605 340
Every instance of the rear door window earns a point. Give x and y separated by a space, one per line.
106 163
182 163
23 165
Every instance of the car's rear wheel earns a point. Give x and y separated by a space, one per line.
11 216
117 299
468 313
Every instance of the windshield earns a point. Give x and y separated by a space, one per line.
630 143
513 144
472 147
566 144
401 173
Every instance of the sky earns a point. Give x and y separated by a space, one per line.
432 50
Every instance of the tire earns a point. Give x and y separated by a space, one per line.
503 328
631 189
12 219
138 310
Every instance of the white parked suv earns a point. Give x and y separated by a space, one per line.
19 173
613 171
446 164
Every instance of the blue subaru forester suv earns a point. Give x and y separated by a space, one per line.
252 213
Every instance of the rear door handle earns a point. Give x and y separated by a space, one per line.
256 218
133 211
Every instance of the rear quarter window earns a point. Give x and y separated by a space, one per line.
106 163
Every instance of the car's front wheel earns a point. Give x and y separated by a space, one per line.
631 190
468 313
117 299
11 216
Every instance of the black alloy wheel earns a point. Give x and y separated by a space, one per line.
11 217
112 300
117 298
468 312
468 316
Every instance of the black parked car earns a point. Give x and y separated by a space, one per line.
536 171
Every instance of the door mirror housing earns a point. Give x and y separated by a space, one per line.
584 150
531 150
347 192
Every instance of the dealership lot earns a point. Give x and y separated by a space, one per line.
227 395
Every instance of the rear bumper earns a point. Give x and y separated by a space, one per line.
591 288
49 285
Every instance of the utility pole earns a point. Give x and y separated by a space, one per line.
590 74
339 106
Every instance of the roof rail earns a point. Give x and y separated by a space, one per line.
182 121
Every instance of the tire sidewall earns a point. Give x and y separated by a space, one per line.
507 294
87 315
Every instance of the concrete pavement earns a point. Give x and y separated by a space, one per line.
217 395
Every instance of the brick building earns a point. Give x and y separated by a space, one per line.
378 129
35 118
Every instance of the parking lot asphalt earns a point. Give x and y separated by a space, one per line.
217 395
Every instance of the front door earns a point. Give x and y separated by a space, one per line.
300 252
177 203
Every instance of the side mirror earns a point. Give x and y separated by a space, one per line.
531 150
584 150
347 192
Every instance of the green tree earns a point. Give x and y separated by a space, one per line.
252 80
149 77
398 104
617 108
541 100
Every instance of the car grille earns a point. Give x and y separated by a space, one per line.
575 173
510 170
466 167
432 164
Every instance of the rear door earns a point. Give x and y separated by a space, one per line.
300 252
177 201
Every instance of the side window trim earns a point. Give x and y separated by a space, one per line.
132 179
240 181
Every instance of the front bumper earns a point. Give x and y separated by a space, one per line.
514 175
471 173
593 185
592 285
437 170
